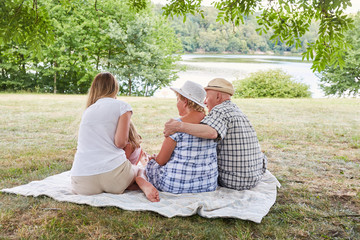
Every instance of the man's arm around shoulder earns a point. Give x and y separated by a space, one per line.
198 130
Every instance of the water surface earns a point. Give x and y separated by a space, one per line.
203 68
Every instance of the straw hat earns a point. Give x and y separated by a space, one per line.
192 91
221 85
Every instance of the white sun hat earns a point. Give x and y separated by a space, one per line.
192 91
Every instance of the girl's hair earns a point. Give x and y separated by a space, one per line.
103 85
134 137
192 105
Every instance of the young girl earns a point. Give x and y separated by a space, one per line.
133 150
100 163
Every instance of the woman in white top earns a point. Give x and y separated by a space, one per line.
100 163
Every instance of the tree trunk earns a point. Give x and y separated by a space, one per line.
129 92
22 66
109 55
36 76
146 88
55 79
3 70
98 61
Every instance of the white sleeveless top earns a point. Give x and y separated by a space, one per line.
96 151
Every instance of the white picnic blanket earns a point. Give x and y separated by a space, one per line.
250 205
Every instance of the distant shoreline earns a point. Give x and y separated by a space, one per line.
251 53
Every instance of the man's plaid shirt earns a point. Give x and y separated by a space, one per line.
240 160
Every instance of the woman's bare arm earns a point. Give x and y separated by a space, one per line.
166 150
122 130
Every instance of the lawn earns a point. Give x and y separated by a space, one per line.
313 147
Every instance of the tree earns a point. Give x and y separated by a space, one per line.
345 80
203 34
25 21
62 65
67 63
145 56
237 44
13 65
289 20
140 48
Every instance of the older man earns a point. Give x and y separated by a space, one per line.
240 160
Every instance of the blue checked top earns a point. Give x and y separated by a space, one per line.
192 167
240 160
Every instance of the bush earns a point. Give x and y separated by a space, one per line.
270 84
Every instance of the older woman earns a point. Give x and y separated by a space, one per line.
185 163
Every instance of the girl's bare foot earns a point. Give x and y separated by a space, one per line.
150 191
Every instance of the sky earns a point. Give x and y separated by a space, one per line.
354 9
355 6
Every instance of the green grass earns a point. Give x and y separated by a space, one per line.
312 145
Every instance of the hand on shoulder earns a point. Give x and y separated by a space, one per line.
172 126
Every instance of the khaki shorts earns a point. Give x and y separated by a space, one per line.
115 181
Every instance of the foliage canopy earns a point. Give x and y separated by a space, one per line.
87 39
342 81
289 20
207 35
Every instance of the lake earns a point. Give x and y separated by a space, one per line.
203 68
